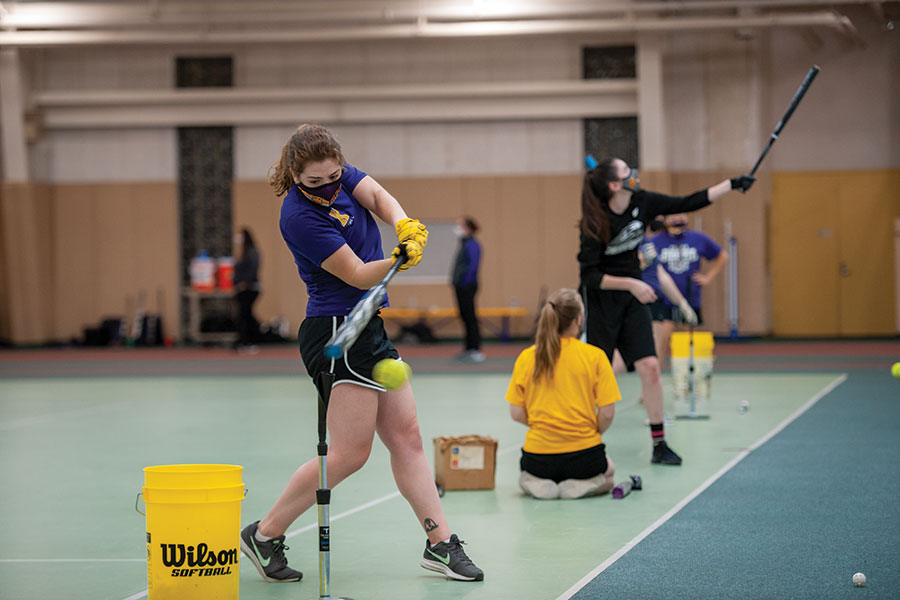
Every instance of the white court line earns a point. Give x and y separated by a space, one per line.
337 517
346 513
637 539
70 560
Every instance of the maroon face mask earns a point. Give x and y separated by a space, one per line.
323 194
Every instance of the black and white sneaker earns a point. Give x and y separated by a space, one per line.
268 557
450 559
664 455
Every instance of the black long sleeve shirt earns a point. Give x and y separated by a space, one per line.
619 257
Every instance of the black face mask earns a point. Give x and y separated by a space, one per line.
322 194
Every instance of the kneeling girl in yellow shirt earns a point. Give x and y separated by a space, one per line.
564 390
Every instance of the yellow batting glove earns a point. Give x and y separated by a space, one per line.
413 252
411 229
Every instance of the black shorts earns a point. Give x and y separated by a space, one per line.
356 365
615 319
659 311
582 464
662 312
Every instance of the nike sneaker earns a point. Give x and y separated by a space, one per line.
450 559
268 557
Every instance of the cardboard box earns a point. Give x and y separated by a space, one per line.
465 462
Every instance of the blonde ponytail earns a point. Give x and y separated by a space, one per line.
562 308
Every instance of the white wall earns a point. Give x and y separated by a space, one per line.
409 61
722 96
413 150
850 119
104 156
390 149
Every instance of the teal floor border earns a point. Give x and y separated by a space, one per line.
794 519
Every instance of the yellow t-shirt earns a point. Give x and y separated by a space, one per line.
561 410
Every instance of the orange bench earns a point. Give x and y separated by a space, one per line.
445 315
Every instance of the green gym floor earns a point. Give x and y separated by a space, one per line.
787 500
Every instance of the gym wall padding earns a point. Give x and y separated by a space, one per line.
103 243
832 252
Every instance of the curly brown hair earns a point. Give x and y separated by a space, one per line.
310 143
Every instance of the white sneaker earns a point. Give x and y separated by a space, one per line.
476 356
471 356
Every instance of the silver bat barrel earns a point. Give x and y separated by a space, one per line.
361 314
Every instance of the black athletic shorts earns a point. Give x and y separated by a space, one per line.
661 312
356 365
582 464
615 319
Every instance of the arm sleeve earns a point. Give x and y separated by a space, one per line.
591 260
660 204
515 393
606 389
316 239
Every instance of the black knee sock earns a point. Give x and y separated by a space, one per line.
656 433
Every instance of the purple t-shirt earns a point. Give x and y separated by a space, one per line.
313 233
680 255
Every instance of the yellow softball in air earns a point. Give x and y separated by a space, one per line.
895 370
391 373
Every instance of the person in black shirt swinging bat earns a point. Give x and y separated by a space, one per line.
614 213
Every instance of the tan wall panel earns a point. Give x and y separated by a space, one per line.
429 199
27 245
747 215
5 257
157 261
254 205
520 239
748 221
805 250
868 203
480 200
113 251
75 271
111 241
560 210
114 241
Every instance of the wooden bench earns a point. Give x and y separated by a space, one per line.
446 315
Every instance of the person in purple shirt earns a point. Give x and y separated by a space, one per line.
680 251
465 284
327 223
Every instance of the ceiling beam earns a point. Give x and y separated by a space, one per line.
421 30
76 15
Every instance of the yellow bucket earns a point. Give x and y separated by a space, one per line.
193 531
681 344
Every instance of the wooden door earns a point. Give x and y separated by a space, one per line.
867 204
804 245
831 253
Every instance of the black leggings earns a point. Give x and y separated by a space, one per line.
465 298
247 325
